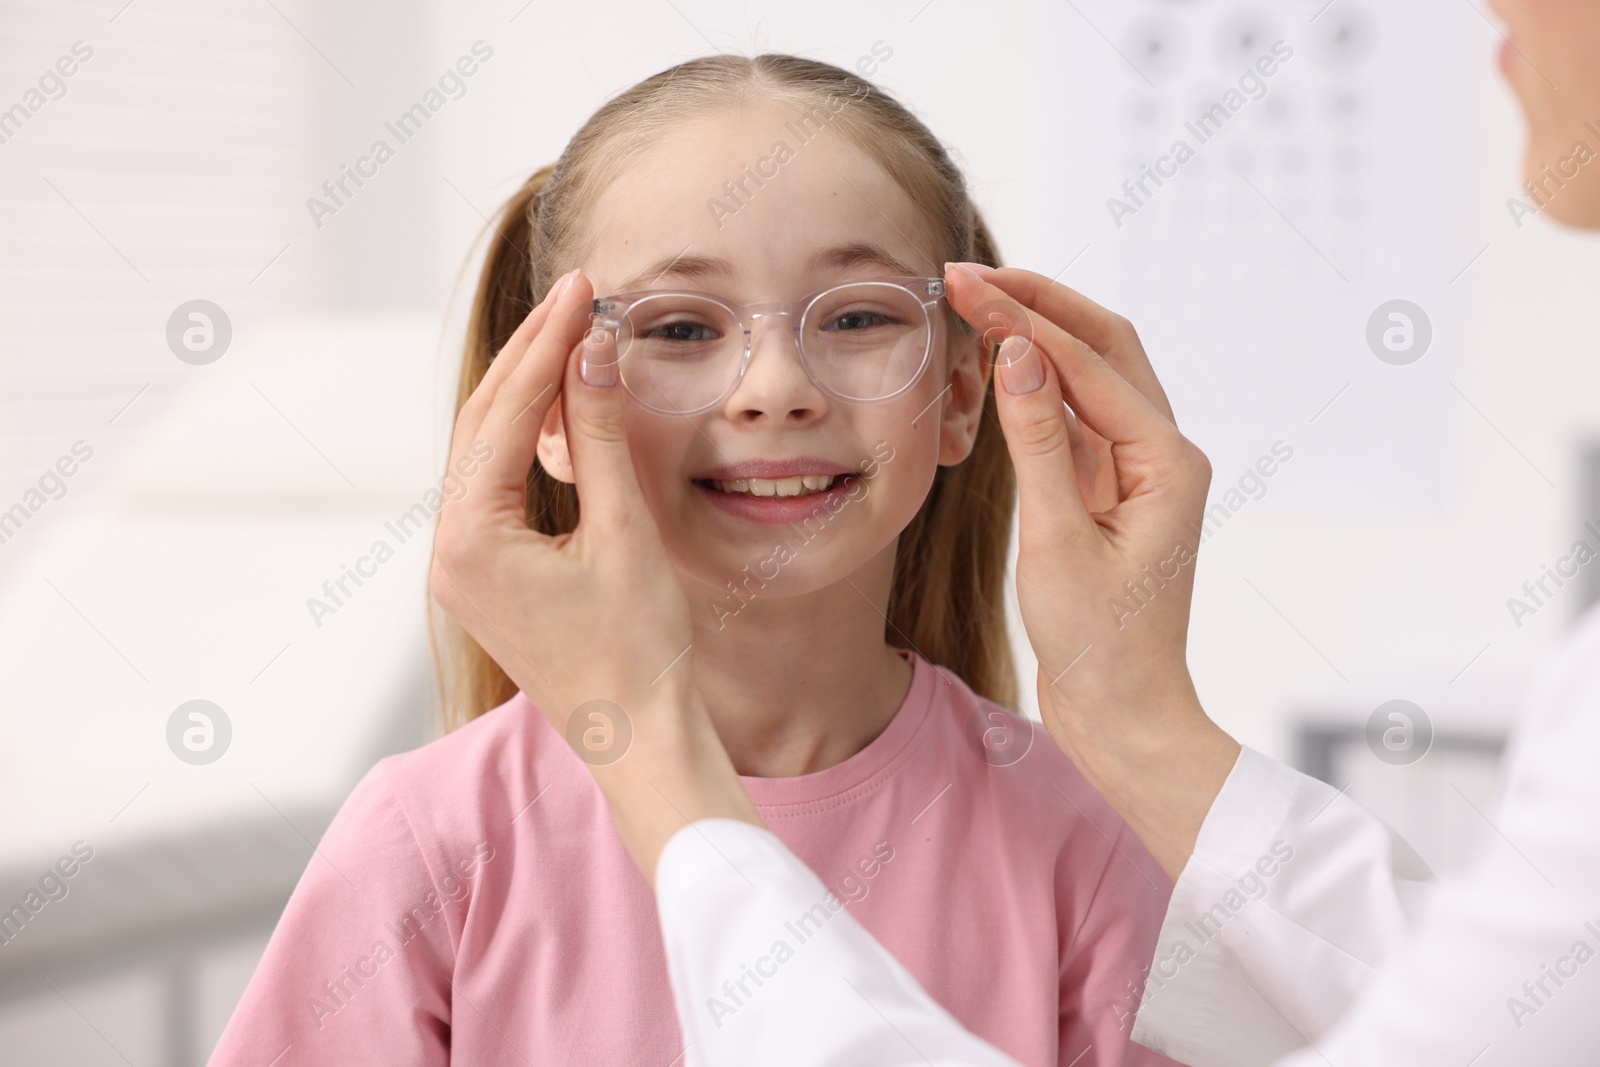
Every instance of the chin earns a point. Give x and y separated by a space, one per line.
1576 203
726 591
1584 216
782 566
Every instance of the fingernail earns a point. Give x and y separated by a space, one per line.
1020 367
979 271
601 371
962 268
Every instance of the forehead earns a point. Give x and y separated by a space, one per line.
754 202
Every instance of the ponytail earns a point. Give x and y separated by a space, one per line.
511 286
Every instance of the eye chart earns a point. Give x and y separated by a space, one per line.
1254 185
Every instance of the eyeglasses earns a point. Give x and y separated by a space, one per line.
682 353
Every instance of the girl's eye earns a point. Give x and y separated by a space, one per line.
681 331
857 320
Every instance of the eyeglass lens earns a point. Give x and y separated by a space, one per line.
681 353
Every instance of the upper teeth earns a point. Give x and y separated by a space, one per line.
804 483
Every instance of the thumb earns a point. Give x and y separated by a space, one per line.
602 467
1034 419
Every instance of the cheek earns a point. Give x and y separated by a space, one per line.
905 447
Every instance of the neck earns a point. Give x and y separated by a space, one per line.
797 684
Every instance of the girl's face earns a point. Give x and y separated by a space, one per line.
687 214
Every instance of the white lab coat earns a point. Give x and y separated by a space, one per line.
1300 920
726 891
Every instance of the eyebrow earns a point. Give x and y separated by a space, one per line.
699 268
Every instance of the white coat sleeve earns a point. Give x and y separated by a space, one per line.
725 890
1294 897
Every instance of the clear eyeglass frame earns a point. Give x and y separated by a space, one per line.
609 312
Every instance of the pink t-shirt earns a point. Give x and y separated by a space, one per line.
472 903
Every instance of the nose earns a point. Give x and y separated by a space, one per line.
775 383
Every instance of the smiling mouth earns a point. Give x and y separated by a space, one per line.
800 485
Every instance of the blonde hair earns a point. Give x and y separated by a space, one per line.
947 601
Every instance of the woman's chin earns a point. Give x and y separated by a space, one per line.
1576 202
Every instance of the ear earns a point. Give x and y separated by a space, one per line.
970 367
554 456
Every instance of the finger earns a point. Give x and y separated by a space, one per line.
469 420
1108 333
1034 421
609 495
1086 462
1105 401
518 408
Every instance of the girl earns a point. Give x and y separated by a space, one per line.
794 489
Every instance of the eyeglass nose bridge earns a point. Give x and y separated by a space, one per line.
773 309
762 309
770 307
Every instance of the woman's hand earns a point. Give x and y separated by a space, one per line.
1111 499
592 625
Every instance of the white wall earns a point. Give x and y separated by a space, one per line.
178 563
